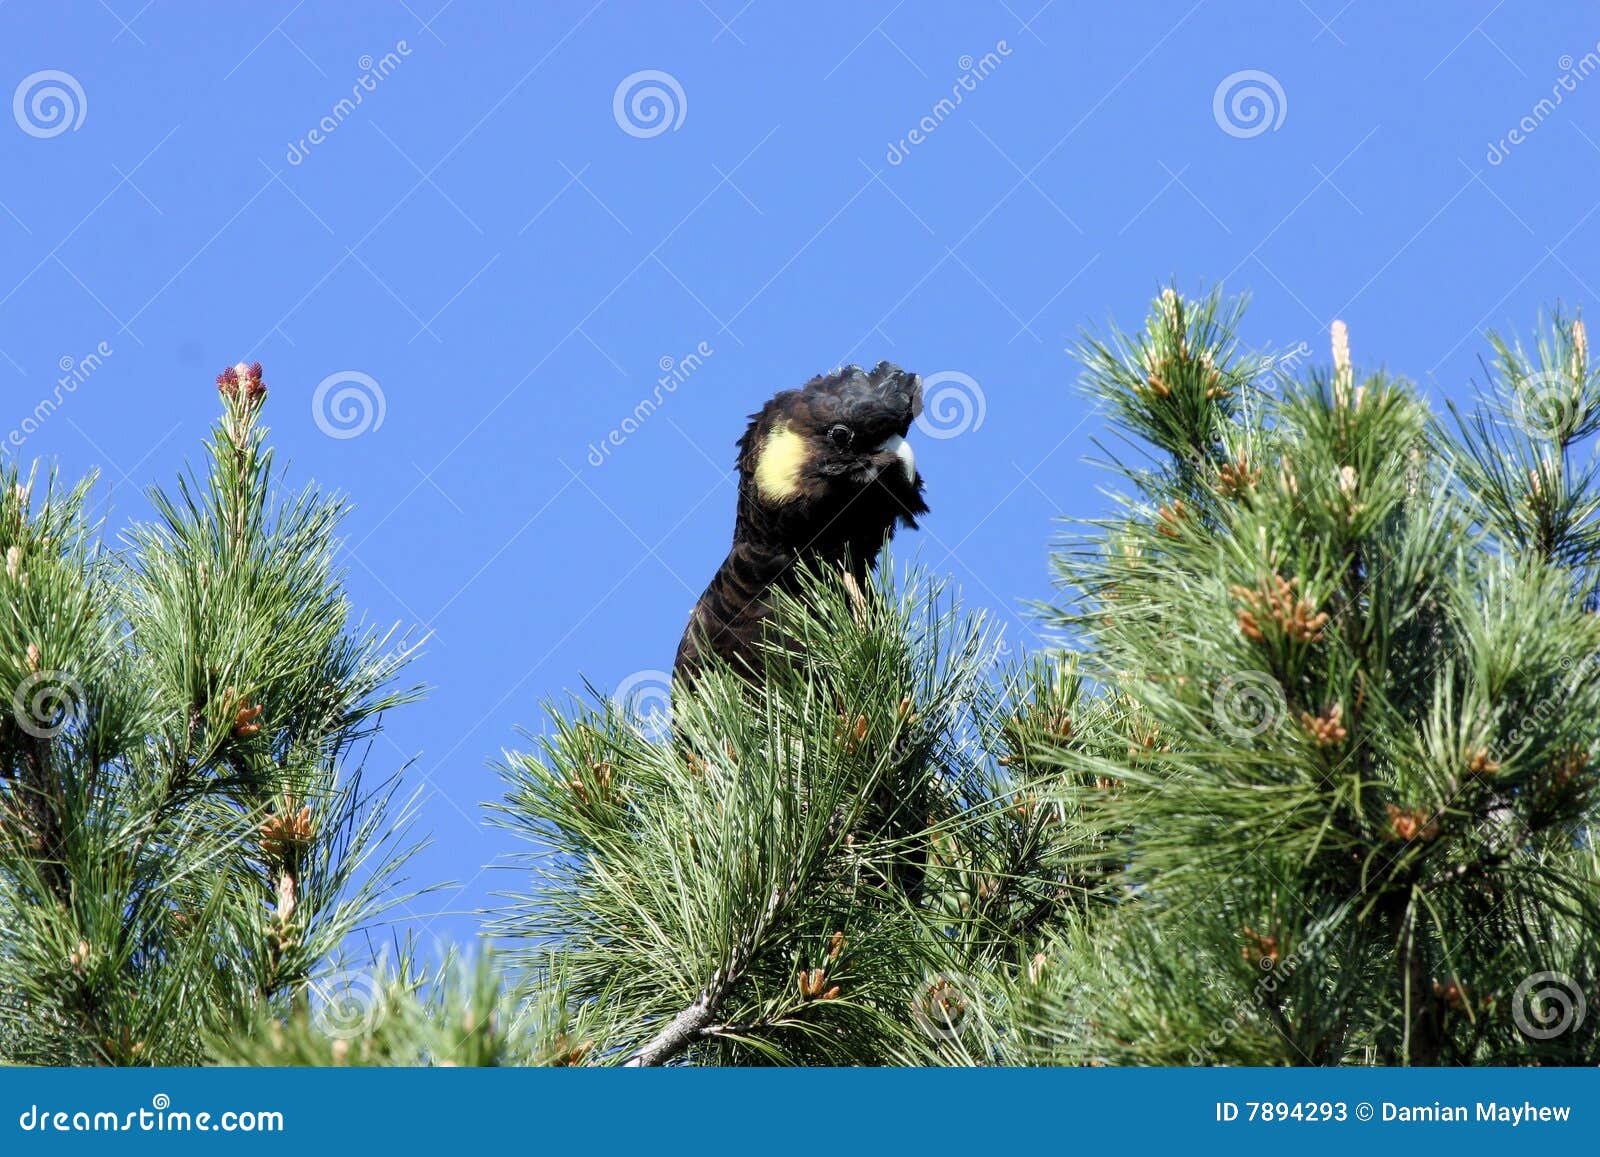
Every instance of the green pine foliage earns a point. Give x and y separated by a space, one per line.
408 1012
809 872
1356 647
185 839
1310 778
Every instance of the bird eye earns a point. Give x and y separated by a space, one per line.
841 436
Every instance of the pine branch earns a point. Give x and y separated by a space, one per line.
167 703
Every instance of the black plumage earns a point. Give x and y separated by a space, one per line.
825 474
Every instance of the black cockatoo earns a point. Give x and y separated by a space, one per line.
826 475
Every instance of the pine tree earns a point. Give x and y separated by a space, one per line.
1309 783
1351 652
1310 779
185 839
813 871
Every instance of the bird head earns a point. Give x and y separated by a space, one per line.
829 463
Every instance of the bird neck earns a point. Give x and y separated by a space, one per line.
777 536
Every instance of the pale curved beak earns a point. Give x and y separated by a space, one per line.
901 449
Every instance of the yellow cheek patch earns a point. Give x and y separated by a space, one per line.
783 455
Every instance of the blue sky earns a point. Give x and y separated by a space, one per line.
499 245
